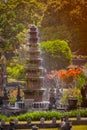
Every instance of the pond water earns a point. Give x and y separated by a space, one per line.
76 127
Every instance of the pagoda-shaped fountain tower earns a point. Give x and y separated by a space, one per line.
34 79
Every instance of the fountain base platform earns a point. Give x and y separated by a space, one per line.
35 94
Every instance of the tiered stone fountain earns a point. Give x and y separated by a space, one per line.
34 79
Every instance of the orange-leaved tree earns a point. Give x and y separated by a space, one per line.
65 76
70 75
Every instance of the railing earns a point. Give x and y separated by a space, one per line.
41 124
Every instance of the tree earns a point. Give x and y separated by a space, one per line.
15 16
73 15
56 54
55 32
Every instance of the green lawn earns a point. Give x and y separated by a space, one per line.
80 127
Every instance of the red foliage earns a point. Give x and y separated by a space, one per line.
64 75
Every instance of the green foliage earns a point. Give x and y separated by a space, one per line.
12 100
69 23
3 117
81 80
15 16
72 93
36 116
57 54
73 16
81 112
54 33
22 37
48 115
15 71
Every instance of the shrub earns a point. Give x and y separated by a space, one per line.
36 116
56 54
3 117
48 115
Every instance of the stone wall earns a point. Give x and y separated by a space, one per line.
80 61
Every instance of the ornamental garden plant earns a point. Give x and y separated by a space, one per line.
56 54
72 80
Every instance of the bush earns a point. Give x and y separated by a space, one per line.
3 117
48 115
36 116
56 54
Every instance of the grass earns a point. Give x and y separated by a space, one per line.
79 127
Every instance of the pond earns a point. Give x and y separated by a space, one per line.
75 127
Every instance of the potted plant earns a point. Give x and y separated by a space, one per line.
74 78
73 97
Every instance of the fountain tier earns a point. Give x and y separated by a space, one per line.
34 70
